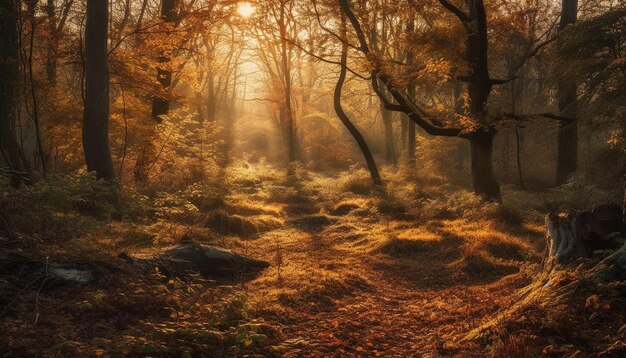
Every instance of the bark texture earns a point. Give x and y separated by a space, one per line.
578 234
161 103
96 115
369 159
483 176
11 152
567 157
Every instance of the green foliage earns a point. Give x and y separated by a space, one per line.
577 194
62 204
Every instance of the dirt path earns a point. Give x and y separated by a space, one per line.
345 291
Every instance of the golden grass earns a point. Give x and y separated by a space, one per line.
346 275
224 223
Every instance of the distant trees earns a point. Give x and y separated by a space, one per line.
96 114
591 54
276 56
435 63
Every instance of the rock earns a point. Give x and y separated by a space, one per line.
71 274
207 260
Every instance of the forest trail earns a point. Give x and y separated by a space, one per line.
353 272
364 283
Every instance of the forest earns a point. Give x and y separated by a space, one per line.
312 178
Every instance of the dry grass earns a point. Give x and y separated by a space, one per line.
224 223
354 272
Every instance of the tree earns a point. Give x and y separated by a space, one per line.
161 102
567 158
9 84
96 110
57 18
369 159
479 132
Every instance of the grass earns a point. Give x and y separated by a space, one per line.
354 272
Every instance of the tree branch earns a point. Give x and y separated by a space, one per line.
404 104
456 11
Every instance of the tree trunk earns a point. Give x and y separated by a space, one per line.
211 104
51 60
369 159
459 108
485 184
579 234
286 72
96 112
161 103
390 150
404 130
481 141
9 82
411 131
567 158
411 92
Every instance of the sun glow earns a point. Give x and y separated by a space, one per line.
245 9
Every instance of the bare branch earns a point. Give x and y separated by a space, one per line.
455 10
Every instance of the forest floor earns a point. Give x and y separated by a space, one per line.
354 272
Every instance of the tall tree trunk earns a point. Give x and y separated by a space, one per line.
369 159
567 158
411 92
31 11
459 108
286 72
51 60
485 184
9 83
481 141
390 148
211 103
518 141
515 94
411 130
161 103
404 130
96 112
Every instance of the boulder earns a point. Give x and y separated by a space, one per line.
209 261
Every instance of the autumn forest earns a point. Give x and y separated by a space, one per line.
312 178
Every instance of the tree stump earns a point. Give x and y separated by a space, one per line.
580 234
